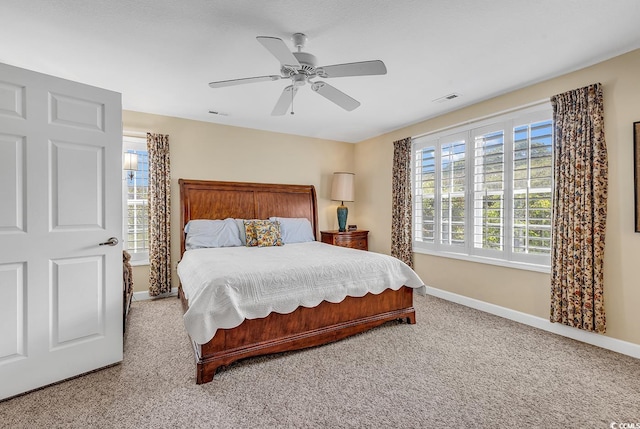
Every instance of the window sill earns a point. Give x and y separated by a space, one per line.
483 260
139 263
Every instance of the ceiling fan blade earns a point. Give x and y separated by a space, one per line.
285 100
279 50
233 82
363 68
335 95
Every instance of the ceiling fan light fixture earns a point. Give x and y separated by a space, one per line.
299 79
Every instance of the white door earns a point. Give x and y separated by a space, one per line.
60 196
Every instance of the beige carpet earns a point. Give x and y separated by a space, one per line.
456 367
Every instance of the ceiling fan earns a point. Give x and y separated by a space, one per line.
301 68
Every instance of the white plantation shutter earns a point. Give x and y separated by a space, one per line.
532 185
452 192
488 197
483 190
136 195
425 194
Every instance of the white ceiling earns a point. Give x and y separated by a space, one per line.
161 54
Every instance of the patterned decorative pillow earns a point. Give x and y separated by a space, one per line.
263 233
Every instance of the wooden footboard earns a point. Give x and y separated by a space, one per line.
304 327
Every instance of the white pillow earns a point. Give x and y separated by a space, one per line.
243 232
202 233
295 229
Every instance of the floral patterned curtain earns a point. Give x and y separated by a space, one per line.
579 209
159 214
401 237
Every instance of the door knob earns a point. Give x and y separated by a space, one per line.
110 242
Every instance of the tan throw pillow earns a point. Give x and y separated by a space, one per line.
263 233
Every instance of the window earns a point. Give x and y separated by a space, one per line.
483 191
136 207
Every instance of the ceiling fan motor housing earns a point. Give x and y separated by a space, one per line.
307 61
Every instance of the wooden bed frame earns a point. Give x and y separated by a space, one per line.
304 327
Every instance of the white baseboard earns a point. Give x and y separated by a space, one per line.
619 346
143 296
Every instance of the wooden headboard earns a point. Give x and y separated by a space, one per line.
203 199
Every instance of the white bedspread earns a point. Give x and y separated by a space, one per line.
225 286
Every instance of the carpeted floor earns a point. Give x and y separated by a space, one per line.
456 367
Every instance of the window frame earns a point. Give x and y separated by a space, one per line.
507 121
136 143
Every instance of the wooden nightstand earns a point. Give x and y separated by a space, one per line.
354 239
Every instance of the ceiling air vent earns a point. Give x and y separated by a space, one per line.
447 97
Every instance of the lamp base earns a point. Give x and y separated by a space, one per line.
343 211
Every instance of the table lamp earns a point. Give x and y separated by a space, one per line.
342 190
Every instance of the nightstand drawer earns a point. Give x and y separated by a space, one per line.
353 239
359 243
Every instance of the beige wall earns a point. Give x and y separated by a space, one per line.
202 150
527 291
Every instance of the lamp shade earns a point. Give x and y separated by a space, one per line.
130 161
342 187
